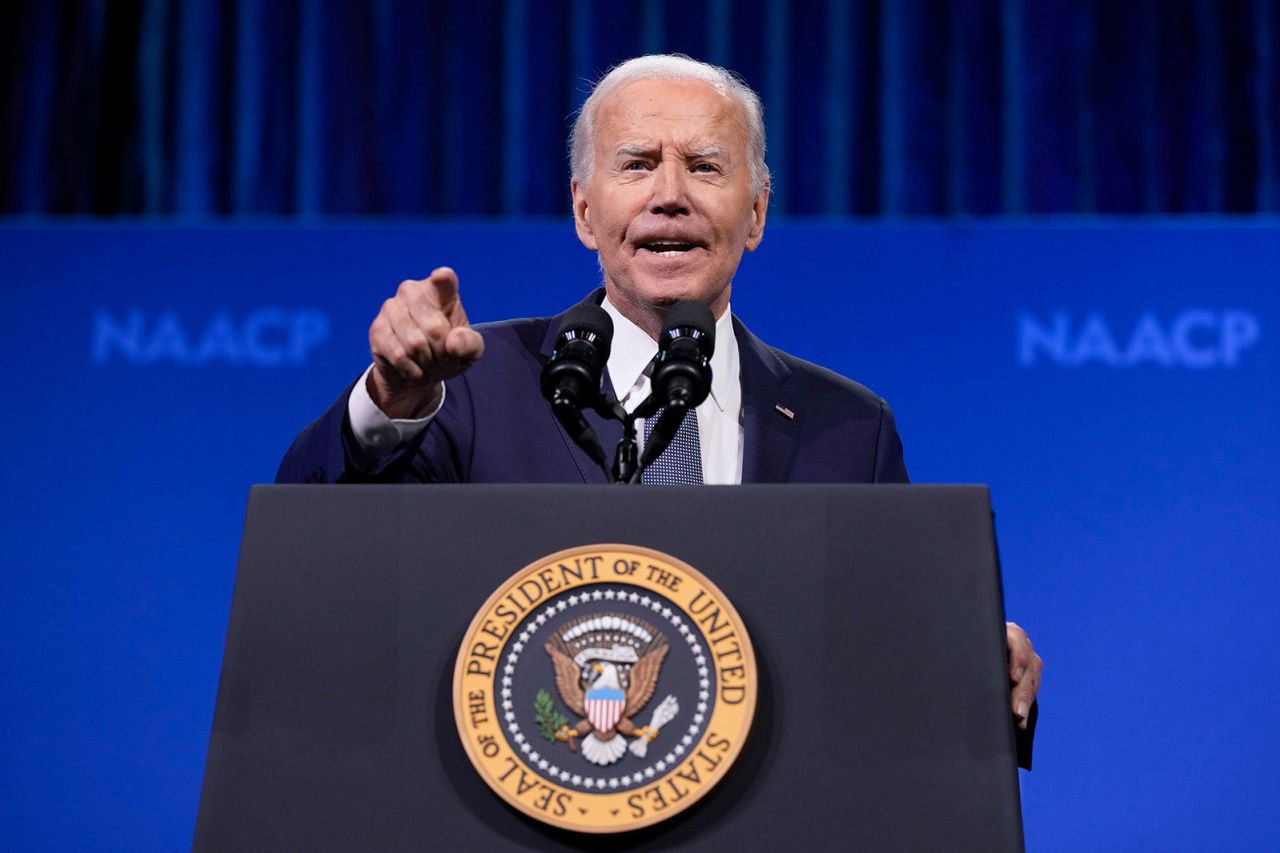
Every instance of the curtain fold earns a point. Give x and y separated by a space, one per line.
934 108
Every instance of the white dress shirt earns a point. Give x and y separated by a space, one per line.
719 417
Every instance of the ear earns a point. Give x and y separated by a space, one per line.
759 208
581 215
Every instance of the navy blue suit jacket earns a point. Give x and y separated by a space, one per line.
495 427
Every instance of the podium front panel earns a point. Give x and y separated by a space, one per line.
875 614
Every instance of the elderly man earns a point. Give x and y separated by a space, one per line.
669 188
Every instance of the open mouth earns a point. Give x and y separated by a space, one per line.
667 248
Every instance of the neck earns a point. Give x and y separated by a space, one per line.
650 318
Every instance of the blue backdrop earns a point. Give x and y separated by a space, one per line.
1108 379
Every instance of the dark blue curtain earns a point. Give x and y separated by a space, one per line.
408 108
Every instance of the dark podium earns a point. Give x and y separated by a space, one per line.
875 612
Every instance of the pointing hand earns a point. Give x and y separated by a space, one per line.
419 339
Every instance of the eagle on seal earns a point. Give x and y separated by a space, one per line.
606 669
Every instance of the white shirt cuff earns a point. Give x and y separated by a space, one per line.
377 435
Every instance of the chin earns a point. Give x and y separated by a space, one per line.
659 292
667 298
664 294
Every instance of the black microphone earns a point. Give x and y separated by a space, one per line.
681 376
682 368
570 381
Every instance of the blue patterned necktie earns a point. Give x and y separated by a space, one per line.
681 463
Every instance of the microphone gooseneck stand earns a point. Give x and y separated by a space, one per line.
626 459
628 465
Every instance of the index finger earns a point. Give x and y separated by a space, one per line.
437 292
444 283
434 299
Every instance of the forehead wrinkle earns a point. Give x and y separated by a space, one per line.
619 110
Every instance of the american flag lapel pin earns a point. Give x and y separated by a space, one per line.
784 411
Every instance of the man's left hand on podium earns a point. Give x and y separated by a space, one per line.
1024 672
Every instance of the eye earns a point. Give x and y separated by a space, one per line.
705 168
634 165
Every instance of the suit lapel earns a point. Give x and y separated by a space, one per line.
769 435
608 431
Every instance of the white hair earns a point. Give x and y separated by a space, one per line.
669 66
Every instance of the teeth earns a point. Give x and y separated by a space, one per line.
668 249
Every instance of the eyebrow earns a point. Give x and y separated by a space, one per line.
708 151
648 150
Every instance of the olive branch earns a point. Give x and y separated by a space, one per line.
549 720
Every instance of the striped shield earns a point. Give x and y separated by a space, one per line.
604 707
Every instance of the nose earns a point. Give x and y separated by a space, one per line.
669 190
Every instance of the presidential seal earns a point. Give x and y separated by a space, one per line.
604 688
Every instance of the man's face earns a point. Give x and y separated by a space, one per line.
669 206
